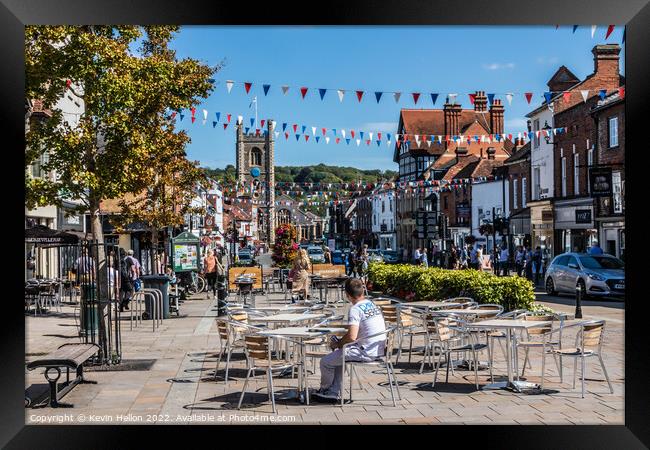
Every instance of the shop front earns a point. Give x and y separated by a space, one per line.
575 229
542 225
520 227
611 235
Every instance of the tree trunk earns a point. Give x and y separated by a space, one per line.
99 255
154 251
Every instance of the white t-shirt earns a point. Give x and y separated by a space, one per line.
368 317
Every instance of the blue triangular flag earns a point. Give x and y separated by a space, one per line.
317 139
490 98
246 130
602 93
297 137
575 27
347 140
211 80
530 135
266 132
378 142
322 93
388 136
303 129
181 117
334 131
547 96
361 133
252 121
378 96
434 97
284 126
266 88
214 124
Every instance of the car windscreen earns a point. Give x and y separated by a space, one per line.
315 251
601 262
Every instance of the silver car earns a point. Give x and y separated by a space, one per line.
595 275
316 255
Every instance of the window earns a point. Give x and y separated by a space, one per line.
536 184
256 157
383 206
572 260
390 205
523 192
613 131
590 162
576 174
535 129
515 194
617 192
563 177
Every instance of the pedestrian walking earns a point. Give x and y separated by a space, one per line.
464 255
504 256
417 256
528 264
127 288
453 257
537 263
210 271
423 258
519 260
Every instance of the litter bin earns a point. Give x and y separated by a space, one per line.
160 282
89 309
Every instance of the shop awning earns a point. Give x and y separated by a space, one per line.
40 234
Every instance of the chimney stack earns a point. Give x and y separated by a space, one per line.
606 61
480 101
490 152
451 112
460 153
496 117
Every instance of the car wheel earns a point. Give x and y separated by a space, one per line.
550 286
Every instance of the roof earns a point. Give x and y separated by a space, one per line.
462 164
478 168
609 100
520 155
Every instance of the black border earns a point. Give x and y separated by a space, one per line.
634 13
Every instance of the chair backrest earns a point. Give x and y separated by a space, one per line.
539 330
489 306
379 301
464 301
222 329
390 313
257 348
442 328
592 333
407 316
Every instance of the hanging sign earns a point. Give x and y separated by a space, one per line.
600 181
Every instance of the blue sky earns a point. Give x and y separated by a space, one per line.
454 59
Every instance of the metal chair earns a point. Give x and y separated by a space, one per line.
409 323
228 341
465 302
590 335
546 333
382 361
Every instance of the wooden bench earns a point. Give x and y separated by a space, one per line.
70 356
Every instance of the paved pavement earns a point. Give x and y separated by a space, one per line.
180 386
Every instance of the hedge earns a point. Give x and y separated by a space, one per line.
419 283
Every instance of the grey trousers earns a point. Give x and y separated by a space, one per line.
331 367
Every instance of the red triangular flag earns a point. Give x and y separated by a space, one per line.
368 142
566 96
416 96
324 130
379 135
609 31
229 116
359 95
173 114
338 140
193 111
472 97
262 122
529 96
286 135
295 128
225 125
193 119
257 132
306 137
303 91
67 83
247 86
621 92
352 133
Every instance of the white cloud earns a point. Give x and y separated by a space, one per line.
548 60
516 125
498 66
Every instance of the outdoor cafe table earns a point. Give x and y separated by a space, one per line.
429 304
300 334
321 282
509 325
468 312
288 308
287 318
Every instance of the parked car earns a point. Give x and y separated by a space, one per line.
316 254
338 257
374 255
595 275
390 256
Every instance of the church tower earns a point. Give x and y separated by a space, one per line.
255 165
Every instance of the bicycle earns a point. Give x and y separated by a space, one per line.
192 282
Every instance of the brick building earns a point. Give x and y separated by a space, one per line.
609 120
574 149
518 170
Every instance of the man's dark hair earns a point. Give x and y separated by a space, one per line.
354 287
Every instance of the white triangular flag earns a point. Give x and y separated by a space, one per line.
396 96
509 98
593 30
327 139
229 85
452 98
285 89
341 93
358 142
554 131
388 143
585 94
203 122
370 136
429 143
343 133
240 119
205 115
276 133
313 131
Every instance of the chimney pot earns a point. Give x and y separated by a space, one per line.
490 152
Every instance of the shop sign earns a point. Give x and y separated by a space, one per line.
583 215
600 181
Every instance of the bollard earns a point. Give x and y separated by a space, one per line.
578 313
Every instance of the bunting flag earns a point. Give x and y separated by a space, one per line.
621 92
68 83
593 31
229 116
378 96
193 110
266 88
252 121
182 116
575 27
585 94
547 97
341 93
303 91
225 125
358 142
452 98
566 96
303 129
361 134
306 137
295 128
472 98
490 98
284 126
297 137
286 136
327 139
193 119
397 96
509 96
602 93
317 138
352 133
416 96
343 133
359 95
285 89
262 122
218 114
247 86
338 140
214 124
229 85
246 130
347 140
609 31
173 115
324 130
313 131
322 93
529 96
434 97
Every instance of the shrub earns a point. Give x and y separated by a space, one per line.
437 284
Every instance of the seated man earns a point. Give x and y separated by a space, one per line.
364 319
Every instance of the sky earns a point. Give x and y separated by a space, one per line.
425 59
